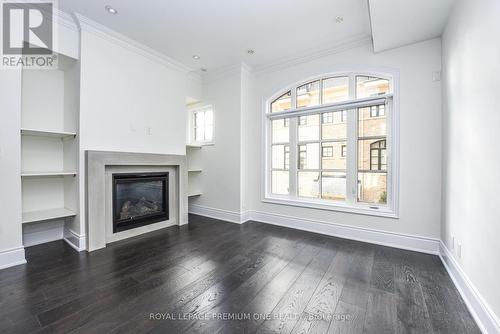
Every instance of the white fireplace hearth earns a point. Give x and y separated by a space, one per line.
101 166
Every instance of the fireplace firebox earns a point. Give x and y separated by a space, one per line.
139 199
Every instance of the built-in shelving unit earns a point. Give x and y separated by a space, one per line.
38 174
44 215
45 133
50 146
194 174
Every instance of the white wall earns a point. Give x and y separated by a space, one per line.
471 211
11 251
420 136
220 178
129 100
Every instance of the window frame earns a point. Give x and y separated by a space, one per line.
192 127
391 208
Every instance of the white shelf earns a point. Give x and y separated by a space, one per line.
38 174
42 215
194 193
194 170
45 133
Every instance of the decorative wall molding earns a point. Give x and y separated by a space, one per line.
282 63
225 72
226 215
97 29
75 240
397 240
312 54
485 318
402 241
65 19
12 257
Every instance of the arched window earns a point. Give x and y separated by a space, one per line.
328 144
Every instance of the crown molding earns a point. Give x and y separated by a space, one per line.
312 54
66 20
225 72
97 29
289 61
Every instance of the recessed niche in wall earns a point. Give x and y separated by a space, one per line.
50 143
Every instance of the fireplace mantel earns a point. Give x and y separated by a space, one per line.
96 162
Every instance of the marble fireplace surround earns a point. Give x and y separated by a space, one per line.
96 163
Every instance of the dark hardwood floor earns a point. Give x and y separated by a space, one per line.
217 277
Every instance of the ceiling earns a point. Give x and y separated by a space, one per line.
221 31
396 23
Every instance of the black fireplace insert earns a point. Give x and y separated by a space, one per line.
139 199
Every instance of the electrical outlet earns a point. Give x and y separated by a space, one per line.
459 250
149 131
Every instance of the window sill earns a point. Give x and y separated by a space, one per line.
324 205
211 143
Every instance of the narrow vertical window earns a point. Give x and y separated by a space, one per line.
203 125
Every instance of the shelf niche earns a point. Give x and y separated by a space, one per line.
50 144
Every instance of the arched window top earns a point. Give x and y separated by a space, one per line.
330 90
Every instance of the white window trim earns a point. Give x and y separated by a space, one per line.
192 111
391 210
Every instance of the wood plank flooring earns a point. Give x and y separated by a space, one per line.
218 277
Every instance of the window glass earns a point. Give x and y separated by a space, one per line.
308 94
369 126
309 156
282 103
280 156
372 155
372 187
308 184
309 127
335 89
371 86
280 182
336 129
280 131
333 158
333 185
203 125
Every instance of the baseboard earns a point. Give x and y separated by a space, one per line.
42 236
78 242
408 242
487 321
12 257
402 241
226 215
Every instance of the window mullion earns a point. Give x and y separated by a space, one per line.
352 134
293 159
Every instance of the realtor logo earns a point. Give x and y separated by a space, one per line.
28 34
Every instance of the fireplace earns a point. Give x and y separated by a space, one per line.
139 199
